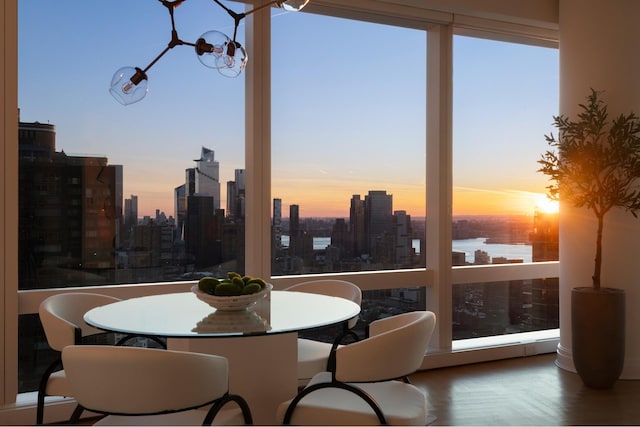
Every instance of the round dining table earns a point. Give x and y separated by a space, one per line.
260 342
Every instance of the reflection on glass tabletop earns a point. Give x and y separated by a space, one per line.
184 315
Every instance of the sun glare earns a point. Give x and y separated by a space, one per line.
546 205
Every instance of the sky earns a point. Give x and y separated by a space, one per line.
348 105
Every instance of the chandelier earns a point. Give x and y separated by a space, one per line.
214 50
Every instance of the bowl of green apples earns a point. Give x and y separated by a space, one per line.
233 293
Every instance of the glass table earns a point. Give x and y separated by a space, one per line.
260 342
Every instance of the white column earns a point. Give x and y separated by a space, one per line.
258 146
599 50
439 180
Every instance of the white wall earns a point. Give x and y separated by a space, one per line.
598 49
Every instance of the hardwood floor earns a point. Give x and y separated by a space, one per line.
521 392
524 391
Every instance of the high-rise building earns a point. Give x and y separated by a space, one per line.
180 209
131 210
231 199
236 196
378 210
233 244
68 212
200 241
277 223
340 238
240 193
357 227
189 182
207 178
181 194
403 243
239 175
130 220
294 229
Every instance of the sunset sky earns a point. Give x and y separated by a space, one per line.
348 106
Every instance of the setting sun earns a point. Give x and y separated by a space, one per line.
546 205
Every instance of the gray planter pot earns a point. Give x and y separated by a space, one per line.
598 334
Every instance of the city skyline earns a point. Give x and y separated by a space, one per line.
378 133
540 201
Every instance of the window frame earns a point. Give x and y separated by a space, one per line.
438 277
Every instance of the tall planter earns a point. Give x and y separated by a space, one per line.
598 334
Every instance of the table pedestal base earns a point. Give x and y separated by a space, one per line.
262 369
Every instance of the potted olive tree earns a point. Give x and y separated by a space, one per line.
594 163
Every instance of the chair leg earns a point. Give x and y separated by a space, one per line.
217 406
40 408
42 387
75 417
334 384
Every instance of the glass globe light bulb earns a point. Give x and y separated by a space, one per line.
128 85
233 61
210 47
292 5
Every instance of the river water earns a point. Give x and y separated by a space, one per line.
468 246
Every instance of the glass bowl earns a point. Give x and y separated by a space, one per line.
232 302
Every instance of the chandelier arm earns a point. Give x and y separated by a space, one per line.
237 19
175 40
166 49
229 11
171 5
173 21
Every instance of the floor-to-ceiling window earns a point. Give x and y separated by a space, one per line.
192 122
146 192
348 152
505 95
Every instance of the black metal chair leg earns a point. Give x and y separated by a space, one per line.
42 387
75 417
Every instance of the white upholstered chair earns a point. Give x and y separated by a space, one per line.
313 355
145 386
61 318
369 384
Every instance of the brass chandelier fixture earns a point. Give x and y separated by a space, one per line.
214 49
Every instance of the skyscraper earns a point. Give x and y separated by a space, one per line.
131 210
68 210
239 176
200 239
207 179
402 237
357 228
340 239
236 196
378 208
130 220
294 229
277 223
189 182
180 209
